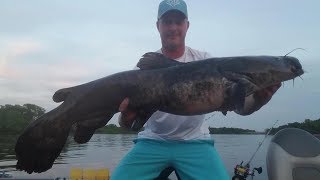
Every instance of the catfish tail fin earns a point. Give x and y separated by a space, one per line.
41 142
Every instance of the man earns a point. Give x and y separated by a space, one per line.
181 142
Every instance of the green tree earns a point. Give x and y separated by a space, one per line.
225 130
312 126
13 118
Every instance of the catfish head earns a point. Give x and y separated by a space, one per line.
253 73
260 71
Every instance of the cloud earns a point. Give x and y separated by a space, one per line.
12 51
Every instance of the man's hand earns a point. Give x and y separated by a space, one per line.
126 117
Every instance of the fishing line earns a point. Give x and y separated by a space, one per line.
206 119
301 78
292 82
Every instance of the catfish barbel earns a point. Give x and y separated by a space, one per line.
193 88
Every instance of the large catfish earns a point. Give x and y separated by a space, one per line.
215 84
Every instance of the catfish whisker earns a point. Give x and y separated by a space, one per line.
294 50
292 82
301 78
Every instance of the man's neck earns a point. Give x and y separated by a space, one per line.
173 53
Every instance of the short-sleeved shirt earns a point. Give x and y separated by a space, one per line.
165 126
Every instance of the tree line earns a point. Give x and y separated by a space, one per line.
14 118
312 126
225 130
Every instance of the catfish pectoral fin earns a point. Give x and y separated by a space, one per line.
247 104
252 104
238 93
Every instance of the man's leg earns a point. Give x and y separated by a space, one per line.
144 162
199 160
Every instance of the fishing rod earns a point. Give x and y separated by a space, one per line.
206 119
260 144
241 172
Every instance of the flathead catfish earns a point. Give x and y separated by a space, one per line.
215 84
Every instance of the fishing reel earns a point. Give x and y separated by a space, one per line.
242 172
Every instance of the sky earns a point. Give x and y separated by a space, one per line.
49 45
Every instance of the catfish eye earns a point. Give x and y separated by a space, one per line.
293 69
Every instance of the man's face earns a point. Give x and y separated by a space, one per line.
173 27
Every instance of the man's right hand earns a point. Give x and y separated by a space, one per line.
127 116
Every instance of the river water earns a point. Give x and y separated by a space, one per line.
106 150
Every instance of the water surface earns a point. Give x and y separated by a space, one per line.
106 150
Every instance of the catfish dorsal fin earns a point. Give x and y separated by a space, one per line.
152 60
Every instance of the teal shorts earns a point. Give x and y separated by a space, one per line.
196 159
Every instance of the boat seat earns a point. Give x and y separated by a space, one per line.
293 154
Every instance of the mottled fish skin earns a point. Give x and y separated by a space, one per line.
215 84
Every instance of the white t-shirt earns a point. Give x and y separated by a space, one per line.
165 126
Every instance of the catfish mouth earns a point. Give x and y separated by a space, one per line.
297 72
